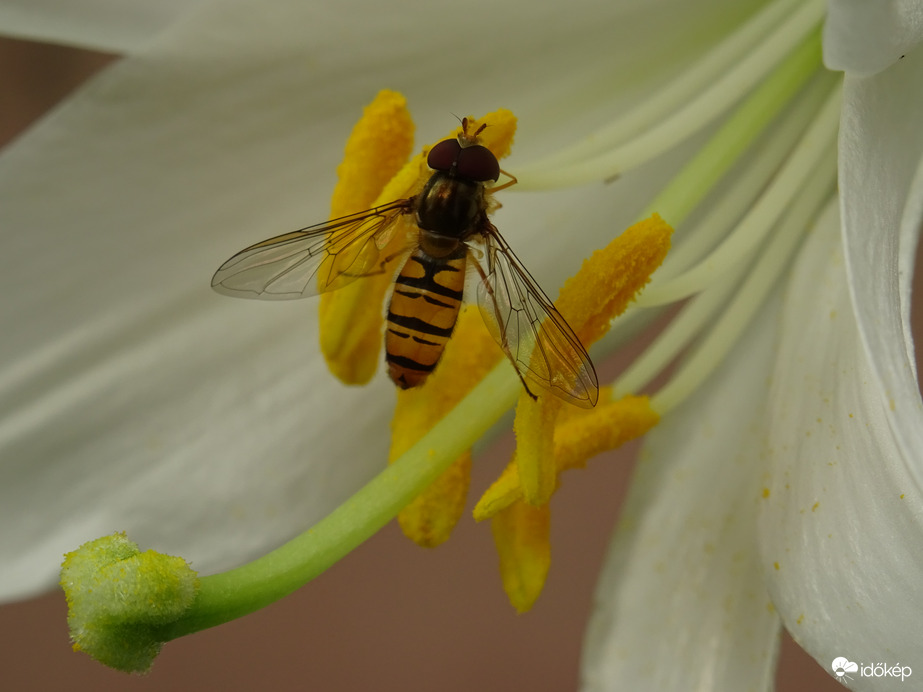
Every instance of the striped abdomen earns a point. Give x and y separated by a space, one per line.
424 307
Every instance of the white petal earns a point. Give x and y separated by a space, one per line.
841 533
863 38
851 560
134 397
115 26
680 604
881 183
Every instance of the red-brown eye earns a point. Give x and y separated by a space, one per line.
443 156
478 163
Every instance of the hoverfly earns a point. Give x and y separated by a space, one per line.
453 240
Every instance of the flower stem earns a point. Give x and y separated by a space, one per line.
232 594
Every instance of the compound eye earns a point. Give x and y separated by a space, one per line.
478 163
443 156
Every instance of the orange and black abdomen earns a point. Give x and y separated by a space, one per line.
424 307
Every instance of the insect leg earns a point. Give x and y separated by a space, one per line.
512 181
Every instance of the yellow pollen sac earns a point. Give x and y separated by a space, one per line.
350 318
608 280
521 535
470 354
611 278
378 147
580 435
498 133
430 518
534 456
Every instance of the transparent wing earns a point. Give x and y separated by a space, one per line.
539 342
312 260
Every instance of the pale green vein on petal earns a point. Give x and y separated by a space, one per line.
697 316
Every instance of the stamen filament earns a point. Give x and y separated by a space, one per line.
759 221
712 350
712 162
677 335
696 316
738 133
708 106
667 99
747 183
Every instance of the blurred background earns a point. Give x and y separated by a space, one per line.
391 616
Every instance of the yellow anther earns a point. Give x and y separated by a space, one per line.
606 427
579 435
521 535
498 133
378 147
470 354
534 457
350 318
611 277
430 518
590 300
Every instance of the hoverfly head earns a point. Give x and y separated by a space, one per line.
471 162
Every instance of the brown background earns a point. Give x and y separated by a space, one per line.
390 616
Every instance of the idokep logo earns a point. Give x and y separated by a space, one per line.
843 666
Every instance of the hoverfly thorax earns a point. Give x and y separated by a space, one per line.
449 206
453 199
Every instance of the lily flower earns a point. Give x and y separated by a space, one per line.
182 147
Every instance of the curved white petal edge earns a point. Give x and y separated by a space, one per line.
842 528
680 604
132 397
863 38
114 26
881 180
845 519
